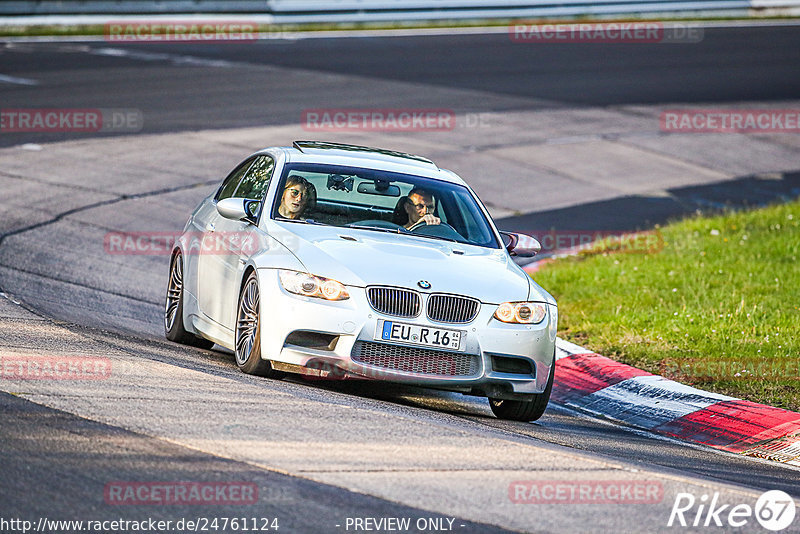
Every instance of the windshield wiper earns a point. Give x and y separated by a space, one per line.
378 228
440 238
404 231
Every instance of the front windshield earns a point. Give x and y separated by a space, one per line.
381 201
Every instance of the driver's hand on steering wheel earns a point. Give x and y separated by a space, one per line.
429 218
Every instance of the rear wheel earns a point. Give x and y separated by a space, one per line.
173 308
524 410
248 333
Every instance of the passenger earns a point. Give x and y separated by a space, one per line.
418 206
299 196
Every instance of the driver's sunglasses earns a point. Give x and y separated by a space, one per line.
425 207
295 193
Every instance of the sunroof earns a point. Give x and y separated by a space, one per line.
323 145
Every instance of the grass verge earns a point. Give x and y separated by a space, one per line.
280 30
717 307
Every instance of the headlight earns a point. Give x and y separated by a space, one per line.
309 285
521 312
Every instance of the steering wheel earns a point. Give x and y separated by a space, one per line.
421 222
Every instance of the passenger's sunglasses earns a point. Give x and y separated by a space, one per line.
295 193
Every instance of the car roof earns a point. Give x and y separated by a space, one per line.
366 157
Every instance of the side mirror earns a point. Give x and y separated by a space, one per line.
238 209
521 245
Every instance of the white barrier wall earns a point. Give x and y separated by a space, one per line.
381 10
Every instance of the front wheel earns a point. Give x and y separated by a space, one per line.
525 410
248 333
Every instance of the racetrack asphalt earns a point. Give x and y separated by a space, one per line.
190 86
424 450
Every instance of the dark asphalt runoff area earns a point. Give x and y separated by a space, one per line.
728 65
48 458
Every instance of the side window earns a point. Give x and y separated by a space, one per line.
257 179
229 185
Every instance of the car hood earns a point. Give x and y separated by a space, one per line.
364 257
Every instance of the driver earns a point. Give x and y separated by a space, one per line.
419 206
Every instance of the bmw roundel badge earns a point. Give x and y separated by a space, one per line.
424 284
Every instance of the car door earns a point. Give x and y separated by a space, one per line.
227 244
200 219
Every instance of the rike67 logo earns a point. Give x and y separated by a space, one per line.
774 510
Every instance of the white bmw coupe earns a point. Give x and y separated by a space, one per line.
337 260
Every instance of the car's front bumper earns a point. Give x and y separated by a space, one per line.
331 339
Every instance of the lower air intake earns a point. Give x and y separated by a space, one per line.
415 360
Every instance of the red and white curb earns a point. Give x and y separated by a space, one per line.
596 385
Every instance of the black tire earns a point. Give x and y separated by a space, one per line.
174 328
525 410
248 333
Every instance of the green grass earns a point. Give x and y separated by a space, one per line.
717 307
77 30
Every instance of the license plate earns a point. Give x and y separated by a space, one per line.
415 334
